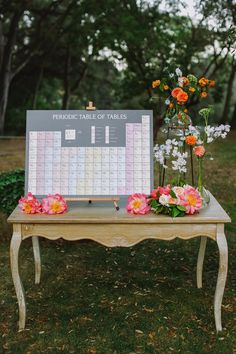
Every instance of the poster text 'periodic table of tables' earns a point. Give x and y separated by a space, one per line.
89 153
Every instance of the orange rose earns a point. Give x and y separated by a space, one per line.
176 91
203 94
182 97
191 140
199 151
212 83
203 81
192 89
173 201
166 87
156 83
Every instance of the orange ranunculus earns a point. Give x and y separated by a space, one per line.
199 151
191 140
166 87
203 94
203 81
182 97
175 92
156 83
192 89
212 83
171 105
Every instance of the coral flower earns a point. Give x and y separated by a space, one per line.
182 97
156 83
191 200
160 191
54 204
138 204
203 81
203 94
191 140
199 151
212 83
176 91
29 204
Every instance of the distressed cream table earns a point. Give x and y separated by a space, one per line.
117 228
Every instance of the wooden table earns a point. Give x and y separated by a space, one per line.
113 228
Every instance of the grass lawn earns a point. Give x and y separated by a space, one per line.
138 300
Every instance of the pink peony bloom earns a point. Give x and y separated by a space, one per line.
190 199
29 204
138 204
54 204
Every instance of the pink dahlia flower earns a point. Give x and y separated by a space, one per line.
199 151
138 204
29 204
54 204
190 199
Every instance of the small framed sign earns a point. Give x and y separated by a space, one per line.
89 153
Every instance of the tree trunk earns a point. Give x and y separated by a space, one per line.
37 86
6 66
225 114
67 90
233 120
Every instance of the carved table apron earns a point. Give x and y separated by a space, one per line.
111 228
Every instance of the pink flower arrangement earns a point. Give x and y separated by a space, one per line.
178 202
138 204
29 204
54 204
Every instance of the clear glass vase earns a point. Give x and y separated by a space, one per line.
179 122
201 189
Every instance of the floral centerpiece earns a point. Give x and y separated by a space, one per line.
178 91
169 200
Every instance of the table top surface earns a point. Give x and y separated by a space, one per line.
100 212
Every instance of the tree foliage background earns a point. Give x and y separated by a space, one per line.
58 54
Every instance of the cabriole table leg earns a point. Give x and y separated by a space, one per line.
222 275
14 252
200 260
37 258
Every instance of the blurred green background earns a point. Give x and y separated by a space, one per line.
60 54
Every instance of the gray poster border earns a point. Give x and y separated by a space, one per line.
124 196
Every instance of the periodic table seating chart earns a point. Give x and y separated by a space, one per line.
83 153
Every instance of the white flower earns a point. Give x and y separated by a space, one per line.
178 72
167 101
171 75
164 199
